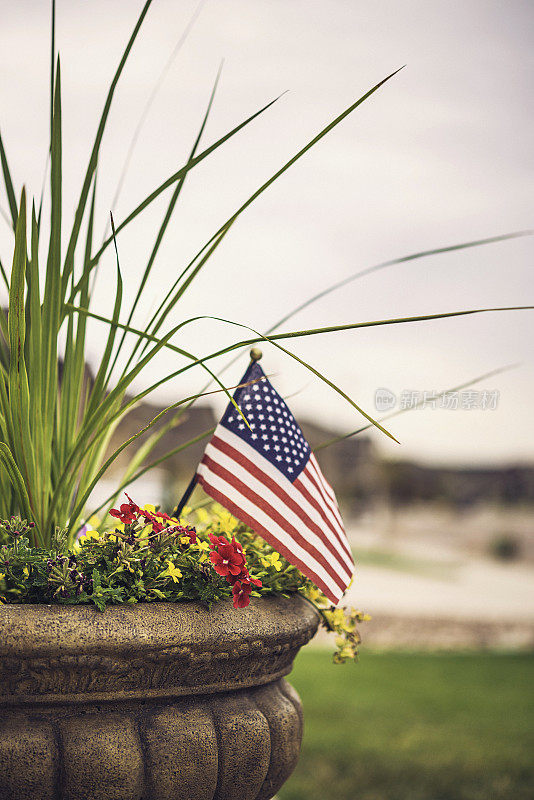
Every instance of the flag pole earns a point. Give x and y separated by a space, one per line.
255 355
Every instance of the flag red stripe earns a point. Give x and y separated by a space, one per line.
259 529
312 475
278 490
271 512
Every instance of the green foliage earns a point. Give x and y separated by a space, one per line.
154 558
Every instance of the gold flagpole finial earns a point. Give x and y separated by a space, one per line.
255 354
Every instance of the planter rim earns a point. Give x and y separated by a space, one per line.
57 654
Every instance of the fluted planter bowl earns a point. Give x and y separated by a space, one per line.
155 701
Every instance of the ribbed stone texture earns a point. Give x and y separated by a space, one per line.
157 702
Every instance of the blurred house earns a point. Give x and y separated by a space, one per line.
407 483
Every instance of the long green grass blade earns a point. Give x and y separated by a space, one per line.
393 262
15 479
8 182
193 268
109 412
35 357
78 217
79 356
153 94
95 423
140 472
51 304
231 347
167 219
180 174
288 335
4 275
433 397
19 395
376 268
102 376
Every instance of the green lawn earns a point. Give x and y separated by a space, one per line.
401 726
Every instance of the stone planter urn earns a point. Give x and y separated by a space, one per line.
156 701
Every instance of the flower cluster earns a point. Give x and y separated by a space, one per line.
145 555
14 527
341 621
228 560
64 577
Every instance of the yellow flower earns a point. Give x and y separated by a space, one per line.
26 572
172 572
2 576
202 515
88 536
200 545
150 508
346 652
272 560
111 534
227 520
185 540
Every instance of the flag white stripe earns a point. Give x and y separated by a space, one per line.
316 491
325 483
271 525
292 491
331 554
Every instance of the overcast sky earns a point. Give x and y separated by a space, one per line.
441 154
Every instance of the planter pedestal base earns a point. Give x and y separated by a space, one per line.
157 702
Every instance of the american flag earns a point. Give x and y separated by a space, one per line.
268 477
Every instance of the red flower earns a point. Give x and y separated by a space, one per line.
237 546
241 592
216 541
181 530
227 561
191 532
150 519
128 511
125 513
133 505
